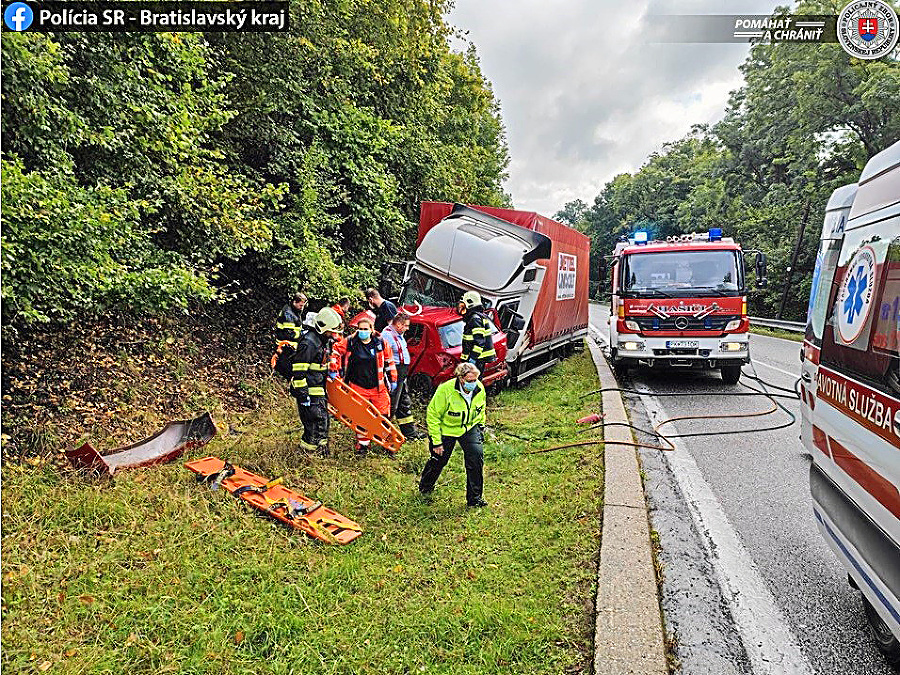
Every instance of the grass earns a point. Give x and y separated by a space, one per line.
149 573
774 332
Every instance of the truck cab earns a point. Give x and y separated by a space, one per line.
853 432
680 303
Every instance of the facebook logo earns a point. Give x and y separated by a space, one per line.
18 16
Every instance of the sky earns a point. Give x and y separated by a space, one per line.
586 96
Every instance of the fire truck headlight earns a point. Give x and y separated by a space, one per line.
631 346
733 324
632 325
733 346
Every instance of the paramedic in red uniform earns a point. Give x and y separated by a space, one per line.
368 367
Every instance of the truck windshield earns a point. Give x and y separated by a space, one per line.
696 273
428 291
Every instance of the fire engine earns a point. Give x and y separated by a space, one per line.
681 302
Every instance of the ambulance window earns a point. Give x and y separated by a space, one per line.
886 337
820 293
857 299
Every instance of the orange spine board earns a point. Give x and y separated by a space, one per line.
360 416
322 523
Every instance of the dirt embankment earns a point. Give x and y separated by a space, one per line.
115 382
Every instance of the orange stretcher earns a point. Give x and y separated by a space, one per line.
273 499
363 418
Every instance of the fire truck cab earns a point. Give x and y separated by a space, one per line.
680 303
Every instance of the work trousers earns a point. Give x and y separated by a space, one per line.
472 443
315 420
377 397
401 404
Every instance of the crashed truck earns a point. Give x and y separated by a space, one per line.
531 272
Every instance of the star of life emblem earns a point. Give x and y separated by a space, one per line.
855 296
868 29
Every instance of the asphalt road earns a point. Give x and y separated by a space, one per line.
749 584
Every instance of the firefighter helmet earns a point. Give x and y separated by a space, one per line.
471 299
327 320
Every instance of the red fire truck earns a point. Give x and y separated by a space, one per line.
681 302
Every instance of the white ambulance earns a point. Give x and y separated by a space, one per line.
851 390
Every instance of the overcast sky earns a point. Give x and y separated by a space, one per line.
585 96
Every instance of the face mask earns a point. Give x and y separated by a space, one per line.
469 386
364 334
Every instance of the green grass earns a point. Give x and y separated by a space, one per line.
774 332
149 573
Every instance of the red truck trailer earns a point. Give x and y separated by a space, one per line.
531 272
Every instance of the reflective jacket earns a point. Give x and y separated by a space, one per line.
477 344
449 414
289 326
384 359
310 365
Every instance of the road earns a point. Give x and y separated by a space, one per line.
749 584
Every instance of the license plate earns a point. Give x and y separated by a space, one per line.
682 344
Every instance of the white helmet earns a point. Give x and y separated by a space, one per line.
327 320
471 299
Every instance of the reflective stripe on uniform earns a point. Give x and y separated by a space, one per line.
301 366
299 383
317 366
404 420
316 391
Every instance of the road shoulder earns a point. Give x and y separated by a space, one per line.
628 634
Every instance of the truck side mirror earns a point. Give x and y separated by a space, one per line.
517 322
601 271
761 260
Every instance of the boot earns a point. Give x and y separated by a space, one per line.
362 448
411 433
307 447
322 448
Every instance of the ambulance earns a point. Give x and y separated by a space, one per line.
851 389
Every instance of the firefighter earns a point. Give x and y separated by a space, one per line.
457 413
368 367
288 328
477 344
310 368
384 309
401 405
290 321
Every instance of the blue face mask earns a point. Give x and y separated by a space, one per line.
364 334
469 386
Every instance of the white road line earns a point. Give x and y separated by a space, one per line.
780 370
767 637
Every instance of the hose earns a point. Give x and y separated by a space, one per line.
776 405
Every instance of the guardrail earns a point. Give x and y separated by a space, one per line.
792 326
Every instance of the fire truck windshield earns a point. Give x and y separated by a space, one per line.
428 291
693 273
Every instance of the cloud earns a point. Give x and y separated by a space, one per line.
585 95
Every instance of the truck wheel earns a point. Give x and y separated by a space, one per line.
731 374
421 387
885 640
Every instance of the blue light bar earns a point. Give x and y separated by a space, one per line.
715 234
640 237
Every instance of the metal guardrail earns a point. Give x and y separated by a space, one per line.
792 326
